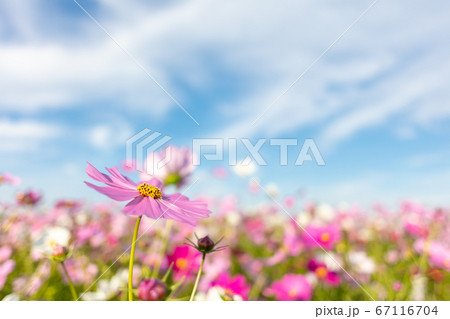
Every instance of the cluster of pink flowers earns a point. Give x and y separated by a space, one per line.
323 252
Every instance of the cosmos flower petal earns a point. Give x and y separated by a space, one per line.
113 181
173 212
115 172
115 193
130 208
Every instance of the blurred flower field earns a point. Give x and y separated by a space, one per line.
288 251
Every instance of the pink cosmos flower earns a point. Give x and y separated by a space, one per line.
232 286
5 269
10 179
178 165
147 198
28 198
326 237
5 253
291 287
186 261
220 172
438 253
322 273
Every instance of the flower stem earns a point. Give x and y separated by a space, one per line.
71 286
133 248
198 278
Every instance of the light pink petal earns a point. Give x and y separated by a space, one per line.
131 208
115 193
108 180
96 175
173 212
125 180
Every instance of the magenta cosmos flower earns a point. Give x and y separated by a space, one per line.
186 261
321 236
290 288
232 286
147 198
323 273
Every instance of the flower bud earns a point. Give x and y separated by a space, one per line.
59 253
205 244
152 289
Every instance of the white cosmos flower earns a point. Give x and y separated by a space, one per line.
51 237
11 297
215 294
362 263
325 213
245 167
107 289
272 189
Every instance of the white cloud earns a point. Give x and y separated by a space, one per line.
109 136
25 135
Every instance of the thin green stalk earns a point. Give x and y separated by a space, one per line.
198 278
130 271
71 286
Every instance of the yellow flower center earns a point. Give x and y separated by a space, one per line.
1 179
292 293
181 263
149 191
325 237
321 272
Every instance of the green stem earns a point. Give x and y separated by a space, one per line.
71 286
133 248
198 278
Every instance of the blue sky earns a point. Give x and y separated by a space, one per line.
377 104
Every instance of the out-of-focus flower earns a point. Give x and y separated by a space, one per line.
28 198
321 236
172 165
147 198
361 263
220 172
289 202
11 297
438 254
234 287
272 190
71 206
7 178
152 289
290 287
107 289
244 168
419 284
325 213
50 238
323 273
397 286
415 226
253 186
59 253
5 253
186 261
80 270
213 294
5 269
